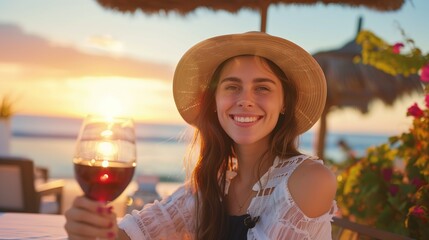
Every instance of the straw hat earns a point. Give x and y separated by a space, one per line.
195 69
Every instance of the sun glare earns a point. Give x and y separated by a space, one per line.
107 150
144 100
107 133
107 105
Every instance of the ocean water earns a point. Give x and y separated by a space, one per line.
154 157
160 148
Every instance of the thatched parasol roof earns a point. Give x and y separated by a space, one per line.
356 85
184 7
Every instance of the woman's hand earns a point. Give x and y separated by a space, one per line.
88 219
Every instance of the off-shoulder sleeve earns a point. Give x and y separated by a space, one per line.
294 224
280 216
292 221
172 218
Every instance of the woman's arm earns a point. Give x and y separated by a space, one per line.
171 218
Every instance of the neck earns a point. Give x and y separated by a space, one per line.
249 157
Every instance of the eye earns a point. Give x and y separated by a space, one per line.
231 87
263 89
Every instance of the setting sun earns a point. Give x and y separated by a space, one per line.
107 105
146 100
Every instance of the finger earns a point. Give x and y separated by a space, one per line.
77 230
90 218
90 205
113 218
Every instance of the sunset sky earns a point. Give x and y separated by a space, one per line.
72 58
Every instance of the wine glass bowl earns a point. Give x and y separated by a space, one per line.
105 156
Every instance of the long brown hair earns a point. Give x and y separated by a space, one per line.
216 149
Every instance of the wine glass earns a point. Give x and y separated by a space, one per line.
105 156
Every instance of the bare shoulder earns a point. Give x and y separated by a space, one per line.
313 187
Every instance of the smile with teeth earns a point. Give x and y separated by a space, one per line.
247 119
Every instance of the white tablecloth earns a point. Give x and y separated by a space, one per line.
31 226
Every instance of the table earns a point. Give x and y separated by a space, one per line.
32 226
23 226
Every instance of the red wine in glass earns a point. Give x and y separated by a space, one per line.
103 183
105 157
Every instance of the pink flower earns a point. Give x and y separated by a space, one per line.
415 111
393 189
418 211
397 47
417 182
387 174
427 100
424 74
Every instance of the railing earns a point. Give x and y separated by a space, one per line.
344 229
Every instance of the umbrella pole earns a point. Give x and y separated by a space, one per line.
263 13
320 141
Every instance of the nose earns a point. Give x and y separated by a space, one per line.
244 103
245 99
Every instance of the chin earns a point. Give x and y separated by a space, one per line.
244 141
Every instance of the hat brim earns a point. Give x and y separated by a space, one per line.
195 69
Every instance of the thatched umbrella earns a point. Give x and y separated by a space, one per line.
184 7
356 85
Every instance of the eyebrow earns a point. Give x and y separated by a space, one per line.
256 80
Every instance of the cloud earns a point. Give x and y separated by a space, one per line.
105 42
37 57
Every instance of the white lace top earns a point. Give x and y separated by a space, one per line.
280 217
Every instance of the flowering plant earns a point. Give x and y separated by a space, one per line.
388 188
393 59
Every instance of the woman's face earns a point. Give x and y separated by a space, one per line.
249 99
